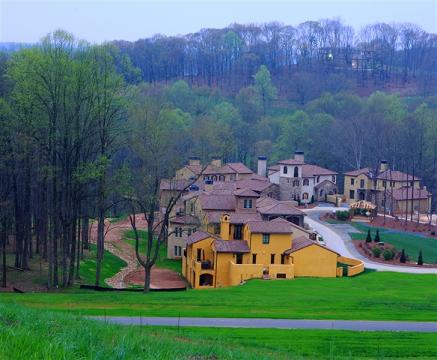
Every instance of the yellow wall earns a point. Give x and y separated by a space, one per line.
278 244
314 260
348 186
355 266
184 174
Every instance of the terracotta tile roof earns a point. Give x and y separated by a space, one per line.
235 217
257 177
245 193
302 242
254 184
358 172
279 219
240 168
231 246
198 236
405 193
281 208
265 201
185 219
195 169
270 227
273 169
217 202
395 175
309 170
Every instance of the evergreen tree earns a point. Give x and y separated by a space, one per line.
377 238
368 238
420 259
403 258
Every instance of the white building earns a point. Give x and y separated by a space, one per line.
302 182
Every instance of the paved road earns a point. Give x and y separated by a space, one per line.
357 325
341 242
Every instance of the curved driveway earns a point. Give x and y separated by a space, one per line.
342 243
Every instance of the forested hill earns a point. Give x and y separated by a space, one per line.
304 60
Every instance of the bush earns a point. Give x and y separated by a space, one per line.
403 258
377 238
420 259
376 252
387 254
312 199
342 215
368 238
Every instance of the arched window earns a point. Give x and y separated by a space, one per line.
214 178
305 196
295 182
296 171
333 178
285 170
221 178
306 182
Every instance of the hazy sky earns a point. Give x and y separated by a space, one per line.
100 20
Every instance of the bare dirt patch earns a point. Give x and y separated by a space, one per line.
160 279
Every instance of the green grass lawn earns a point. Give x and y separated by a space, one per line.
162 261
30 334
369 296
411 243
110 266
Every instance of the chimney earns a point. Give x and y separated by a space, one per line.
299 155
216 162
193 160
383 166
262 166
225 227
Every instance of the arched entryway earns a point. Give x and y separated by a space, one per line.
205 280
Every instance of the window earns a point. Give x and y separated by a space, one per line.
392 183
282 259
248 203
384 183
352 194
296 171
281 276
266 238
239 259
192 208
177 251
232 177
295 182
318 178
188 232
194 230
272 258
305 196
214 178
352 181
221 178
362 184
306 182
178 232
238 232
412 183
199 254
253 258
333 178
285 170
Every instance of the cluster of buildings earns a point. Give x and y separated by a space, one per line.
231 224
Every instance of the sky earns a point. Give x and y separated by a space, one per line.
102 20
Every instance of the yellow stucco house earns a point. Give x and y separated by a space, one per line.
267 250
387 188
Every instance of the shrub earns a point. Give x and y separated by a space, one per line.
368 238
403 258
377 238
342 215
376 252
387 254
420 259
312 199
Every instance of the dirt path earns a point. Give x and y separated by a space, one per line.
133 273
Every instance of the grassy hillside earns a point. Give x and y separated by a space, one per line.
30 334
111 265
371 296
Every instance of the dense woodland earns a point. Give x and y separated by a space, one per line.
87 131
